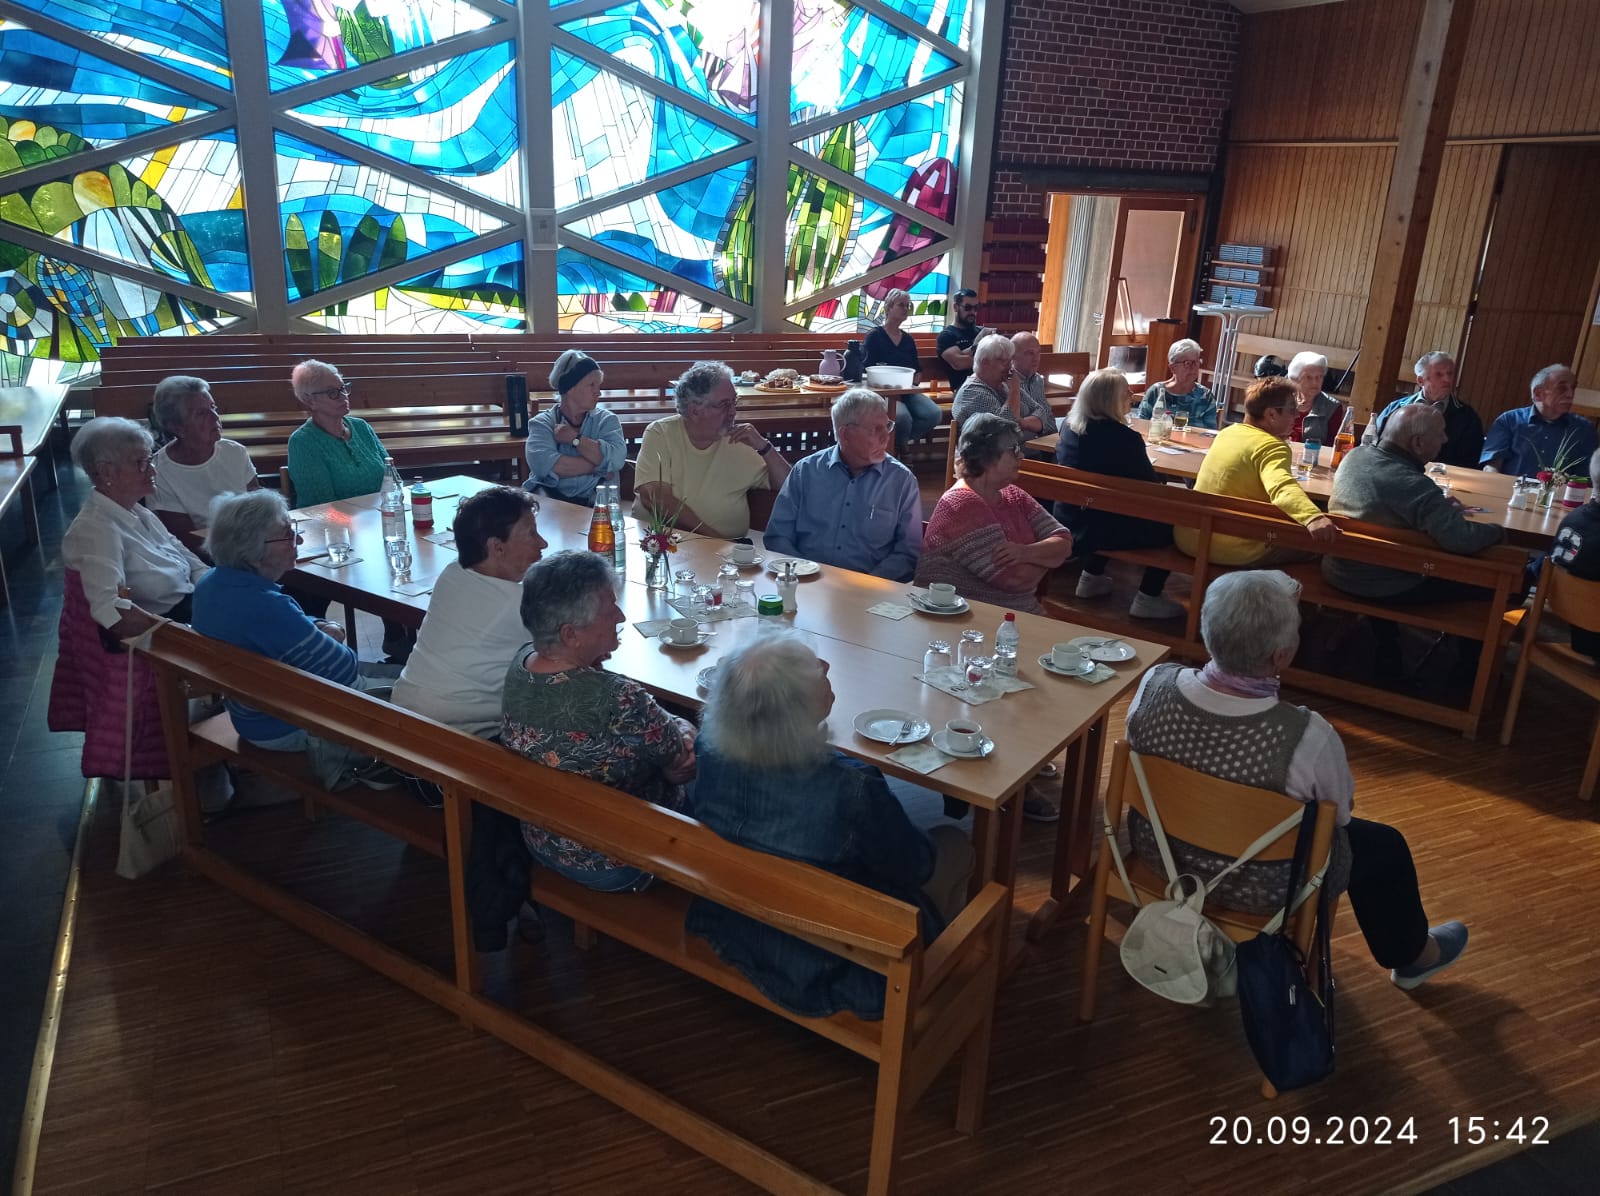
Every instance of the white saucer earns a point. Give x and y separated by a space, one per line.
666 641
704 677
883 725
960 606
941 740
754 562
1049 666
801 568
1111 651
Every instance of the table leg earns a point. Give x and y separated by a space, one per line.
1080 785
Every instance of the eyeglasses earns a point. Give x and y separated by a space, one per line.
342 391
295 536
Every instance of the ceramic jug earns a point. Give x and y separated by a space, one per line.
831 363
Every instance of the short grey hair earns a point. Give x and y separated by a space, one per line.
1099 397
1178 348
309 368
991 347
1306 360
1594 466
697 383
1247 618
1407 422
1427 359
170 407
759 711
238 527
562 590
1547 375
984 438
850 407
109 440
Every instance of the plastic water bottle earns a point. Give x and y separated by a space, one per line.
1005 646
1158 420
1370 436
393 504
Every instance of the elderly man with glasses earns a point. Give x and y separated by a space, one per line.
852 505
334 454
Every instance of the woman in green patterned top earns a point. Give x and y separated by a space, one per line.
332 455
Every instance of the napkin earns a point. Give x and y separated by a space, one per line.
890 610
953 681
413 589
348 561
1173 452
442 539
652 628
714 614
920 757
1101 673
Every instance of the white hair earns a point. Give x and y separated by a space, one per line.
897 293
760 711
1306 360
170 407
697 383
992 347
109 440
1249 617
1178 348
850 407
1427 359
1547 375
236 534
562 590
302 376
1099 397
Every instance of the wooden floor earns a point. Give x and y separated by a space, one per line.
205 1047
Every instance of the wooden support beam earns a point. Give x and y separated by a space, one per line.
1424 121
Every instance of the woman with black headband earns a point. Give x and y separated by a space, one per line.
573 444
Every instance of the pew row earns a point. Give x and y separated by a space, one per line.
1497 570
940 997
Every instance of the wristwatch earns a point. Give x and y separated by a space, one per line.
764 451
577 441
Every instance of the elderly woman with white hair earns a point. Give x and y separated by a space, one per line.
915 415
1182 391
333 455
996 389
196 464
131 567
768 780
700 464
240 602
1317 415
1227 720
1096 438
574 443
562 710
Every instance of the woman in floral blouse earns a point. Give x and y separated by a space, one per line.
564 711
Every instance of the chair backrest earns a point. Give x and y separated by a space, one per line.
1572 598
950 453
761 508
286 485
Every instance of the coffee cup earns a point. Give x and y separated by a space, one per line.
684 631
743 553
963 734
1067 657
941 593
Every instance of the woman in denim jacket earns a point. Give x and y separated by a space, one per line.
768 780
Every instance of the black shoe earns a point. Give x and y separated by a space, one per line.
374 774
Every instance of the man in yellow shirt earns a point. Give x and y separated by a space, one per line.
1252 460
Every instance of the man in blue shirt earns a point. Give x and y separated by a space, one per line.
1436 386
852 505
1543 436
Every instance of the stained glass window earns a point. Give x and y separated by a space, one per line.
402 197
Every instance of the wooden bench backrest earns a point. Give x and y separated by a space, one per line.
870 928
404 390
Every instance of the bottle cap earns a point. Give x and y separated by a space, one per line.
769 604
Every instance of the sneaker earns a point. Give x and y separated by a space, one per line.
1452 940
1049 772
1154 606
1038 809
1094 585
374 774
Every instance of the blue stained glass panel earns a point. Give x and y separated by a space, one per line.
950 19
457 118
595 296
187 37
845 56
307 39
481 293
894 145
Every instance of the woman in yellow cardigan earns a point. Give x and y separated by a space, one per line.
1253 460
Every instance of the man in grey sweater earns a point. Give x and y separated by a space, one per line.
1386 484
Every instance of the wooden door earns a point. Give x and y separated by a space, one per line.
1185 251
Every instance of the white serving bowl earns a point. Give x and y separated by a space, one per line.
889 376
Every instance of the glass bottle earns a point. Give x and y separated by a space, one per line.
421 505
601 538
393 503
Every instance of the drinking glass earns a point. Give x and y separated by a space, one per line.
1180 420
399 559
979 670
971 645
745 594
703 599
338 542
937 656
685 582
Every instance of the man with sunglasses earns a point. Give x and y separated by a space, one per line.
956 341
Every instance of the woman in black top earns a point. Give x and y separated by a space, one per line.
914 415
1096 438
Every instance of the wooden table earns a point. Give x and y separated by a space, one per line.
1475 488
872 661
35 409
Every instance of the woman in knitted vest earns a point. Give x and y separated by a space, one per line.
1226 720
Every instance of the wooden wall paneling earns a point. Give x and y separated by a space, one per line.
1586 361
1455 239
1258 208
1530 71
1538 273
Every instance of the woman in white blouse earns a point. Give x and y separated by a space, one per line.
457 672
132 568
197 464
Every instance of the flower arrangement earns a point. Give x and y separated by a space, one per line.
660 537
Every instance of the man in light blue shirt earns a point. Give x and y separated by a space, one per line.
1544 435
852 505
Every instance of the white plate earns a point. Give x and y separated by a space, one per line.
921 603
666 641
941 740
753 563
801 568
883 725
1097 647
1049 666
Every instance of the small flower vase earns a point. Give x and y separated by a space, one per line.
656 574
1547 489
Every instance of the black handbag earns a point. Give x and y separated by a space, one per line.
1289 1024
